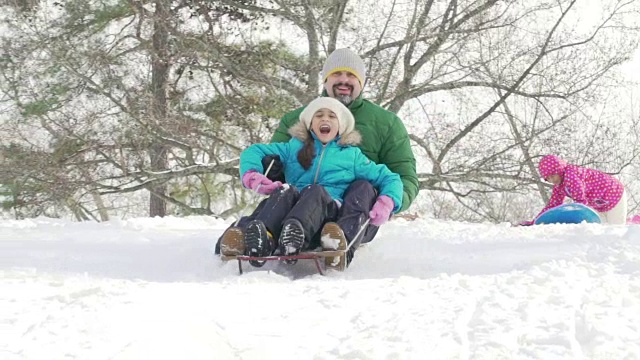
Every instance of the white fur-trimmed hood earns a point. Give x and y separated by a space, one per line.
346 121
299 131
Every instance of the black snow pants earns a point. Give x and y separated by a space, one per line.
270 211
358 201
313 207
315 210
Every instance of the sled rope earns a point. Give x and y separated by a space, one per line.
364 226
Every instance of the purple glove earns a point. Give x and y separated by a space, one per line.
381 210
525 223
259 183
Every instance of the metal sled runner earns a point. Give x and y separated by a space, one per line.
307 255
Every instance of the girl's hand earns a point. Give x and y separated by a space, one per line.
259 183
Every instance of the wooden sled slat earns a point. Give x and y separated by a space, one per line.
302 255
307 255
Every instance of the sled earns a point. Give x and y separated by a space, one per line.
305 255
314 255
575 213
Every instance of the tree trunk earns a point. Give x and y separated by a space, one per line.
159 79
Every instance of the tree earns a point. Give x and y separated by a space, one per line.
161 96
515 77
142 89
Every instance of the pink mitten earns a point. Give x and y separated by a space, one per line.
525 223
259 183
381 210
635 219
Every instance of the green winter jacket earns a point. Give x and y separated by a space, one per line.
384 140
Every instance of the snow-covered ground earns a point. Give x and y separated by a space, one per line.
151 289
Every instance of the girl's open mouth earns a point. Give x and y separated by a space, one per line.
325 129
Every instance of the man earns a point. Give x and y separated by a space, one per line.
384 140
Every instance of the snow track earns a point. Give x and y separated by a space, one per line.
151 288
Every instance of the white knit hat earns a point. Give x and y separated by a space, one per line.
345 118
344 60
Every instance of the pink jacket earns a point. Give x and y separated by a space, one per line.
591 187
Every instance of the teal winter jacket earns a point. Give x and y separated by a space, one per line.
335 166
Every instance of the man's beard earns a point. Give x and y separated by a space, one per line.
343 98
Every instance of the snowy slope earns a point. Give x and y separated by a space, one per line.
151 289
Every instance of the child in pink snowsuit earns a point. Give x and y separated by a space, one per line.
600 191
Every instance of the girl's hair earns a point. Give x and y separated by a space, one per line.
307 153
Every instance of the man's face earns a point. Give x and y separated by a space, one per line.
343 86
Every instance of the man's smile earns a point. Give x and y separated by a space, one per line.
343 89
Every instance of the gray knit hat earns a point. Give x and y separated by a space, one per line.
344 60
345 118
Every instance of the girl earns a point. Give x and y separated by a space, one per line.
321 160
600 191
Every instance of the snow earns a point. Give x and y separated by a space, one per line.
329 243
151 289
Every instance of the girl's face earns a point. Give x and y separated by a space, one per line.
325 125
555 179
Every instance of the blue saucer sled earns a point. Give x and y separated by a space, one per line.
568 214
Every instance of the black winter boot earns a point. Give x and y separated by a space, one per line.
257 242
291 239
